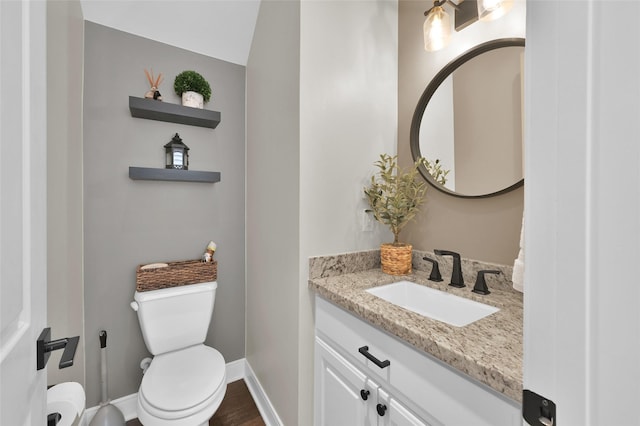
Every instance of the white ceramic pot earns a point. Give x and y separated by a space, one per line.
193 100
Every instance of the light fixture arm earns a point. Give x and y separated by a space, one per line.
437 3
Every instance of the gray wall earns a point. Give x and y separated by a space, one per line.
64 183
127 223
486 229
273 203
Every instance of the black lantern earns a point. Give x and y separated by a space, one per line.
177 154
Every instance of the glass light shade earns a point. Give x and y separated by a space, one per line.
437 29
490 10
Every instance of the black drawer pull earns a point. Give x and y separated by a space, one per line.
364 394
381 409
365 351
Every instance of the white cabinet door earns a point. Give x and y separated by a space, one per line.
396 414
338 387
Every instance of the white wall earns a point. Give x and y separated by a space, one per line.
321 106
220 29
272 205
348 116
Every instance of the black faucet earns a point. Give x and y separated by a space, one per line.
481 284
435 270
456 274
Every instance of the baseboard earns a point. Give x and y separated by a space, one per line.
128 405
235 370
267 411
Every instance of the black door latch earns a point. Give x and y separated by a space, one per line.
538 410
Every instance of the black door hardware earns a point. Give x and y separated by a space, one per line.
538 410
365 351
44 347
364 394
53 419
381 408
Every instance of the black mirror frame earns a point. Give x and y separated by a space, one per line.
414 135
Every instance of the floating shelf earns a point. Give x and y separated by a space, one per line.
145 173
174 113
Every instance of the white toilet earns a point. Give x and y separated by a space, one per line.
186 381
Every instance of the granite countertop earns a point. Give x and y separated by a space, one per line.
488 350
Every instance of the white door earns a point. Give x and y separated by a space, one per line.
22 210
582 209
338 387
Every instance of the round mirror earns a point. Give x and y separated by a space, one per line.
468 123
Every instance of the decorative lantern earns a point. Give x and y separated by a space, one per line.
177 154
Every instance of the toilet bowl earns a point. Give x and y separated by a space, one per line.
186 380
184 387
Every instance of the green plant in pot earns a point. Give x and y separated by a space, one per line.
193 89
395 196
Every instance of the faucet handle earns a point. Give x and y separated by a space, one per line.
435 270
481 285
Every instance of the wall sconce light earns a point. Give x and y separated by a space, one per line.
437 26
177 154
490 10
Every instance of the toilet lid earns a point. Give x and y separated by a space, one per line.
182 379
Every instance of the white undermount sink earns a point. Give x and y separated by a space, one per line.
432 303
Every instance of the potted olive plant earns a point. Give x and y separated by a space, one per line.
193 89
395 196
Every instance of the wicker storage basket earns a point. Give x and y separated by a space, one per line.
395 259
176 274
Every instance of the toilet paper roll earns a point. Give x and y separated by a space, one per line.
68 399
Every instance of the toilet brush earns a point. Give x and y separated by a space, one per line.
108 414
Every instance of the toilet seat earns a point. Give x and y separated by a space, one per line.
182 383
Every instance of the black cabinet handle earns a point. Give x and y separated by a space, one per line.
364 394
381 408
365 351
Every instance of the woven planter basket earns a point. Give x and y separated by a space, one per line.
395 259
176 274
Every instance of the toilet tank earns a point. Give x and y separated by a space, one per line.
175 318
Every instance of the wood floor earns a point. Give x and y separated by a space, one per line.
237 409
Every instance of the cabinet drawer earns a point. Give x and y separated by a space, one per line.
429 387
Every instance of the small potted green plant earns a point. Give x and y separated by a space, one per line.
395 196
193 89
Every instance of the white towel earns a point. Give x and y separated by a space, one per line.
518 266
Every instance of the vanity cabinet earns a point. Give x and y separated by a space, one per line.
415 388
347 396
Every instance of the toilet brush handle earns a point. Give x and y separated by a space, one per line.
103 366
